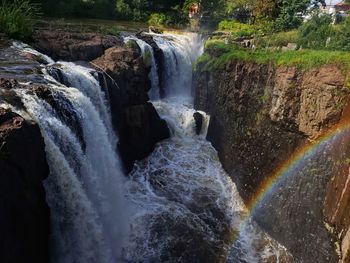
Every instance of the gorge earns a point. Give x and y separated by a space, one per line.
106 129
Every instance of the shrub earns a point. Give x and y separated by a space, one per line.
17 18
341 40
316 32
237 29
157 19
278 40
174 18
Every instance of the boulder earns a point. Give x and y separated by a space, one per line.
125 78
68 46
198 118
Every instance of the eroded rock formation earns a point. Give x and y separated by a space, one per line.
138 123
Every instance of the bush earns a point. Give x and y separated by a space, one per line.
168 19
317 32
17 18
158 19
341 40
278 40
131 9
237 29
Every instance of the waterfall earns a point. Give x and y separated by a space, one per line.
85 185
188 207
180 51
177 205
148 56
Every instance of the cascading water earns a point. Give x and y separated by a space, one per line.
189 209
84 188
185 207
148 56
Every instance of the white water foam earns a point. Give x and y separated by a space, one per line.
84 189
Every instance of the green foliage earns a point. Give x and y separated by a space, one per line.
171 18
291 14
316 32
131 9
17 18
218 54
278 40
341 39
158 19
237 29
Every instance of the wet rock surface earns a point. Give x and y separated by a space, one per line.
260 115
136 120
24 221
198 118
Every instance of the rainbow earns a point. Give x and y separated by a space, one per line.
295 162
288 168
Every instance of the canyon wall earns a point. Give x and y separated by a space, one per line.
262 114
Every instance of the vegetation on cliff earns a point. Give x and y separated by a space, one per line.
17 17
218 54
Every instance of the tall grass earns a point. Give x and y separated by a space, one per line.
17 18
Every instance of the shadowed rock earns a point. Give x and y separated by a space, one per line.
24 221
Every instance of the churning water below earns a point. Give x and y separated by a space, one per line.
177 205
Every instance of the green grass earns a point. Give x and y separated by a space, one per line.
218 55
278 40
17 18
237 29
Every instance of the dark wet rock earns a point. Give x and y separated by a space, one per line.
142 130
24 221
8 95
198 118
73 46
260 115
125 78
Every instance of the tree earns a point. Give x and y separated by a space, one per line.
291 12
132 9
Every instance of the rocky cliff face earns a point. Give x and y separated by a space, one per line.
136 120
24 221
260 115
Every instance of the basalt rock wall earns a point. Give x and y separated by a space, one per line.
261 116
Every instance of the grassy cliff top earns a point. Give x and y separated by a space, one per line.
218 54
